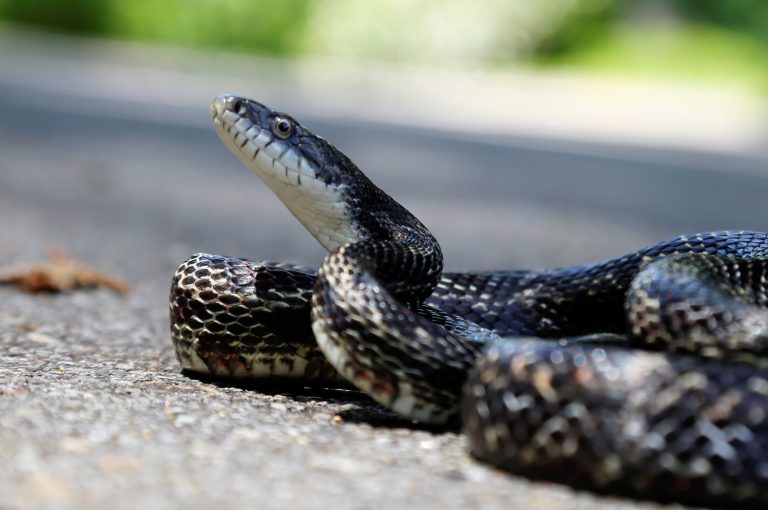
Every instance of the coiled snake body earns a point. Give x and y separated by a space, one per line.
642 375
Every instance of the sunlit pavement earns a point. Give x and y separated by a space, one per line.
108 153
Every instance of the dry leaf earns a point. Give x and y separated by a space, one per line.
61 273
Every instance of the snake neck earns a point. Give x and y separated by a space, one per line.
386 241
396 249
409 272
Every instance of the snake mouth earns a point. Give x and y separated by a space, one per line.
249 130
291 161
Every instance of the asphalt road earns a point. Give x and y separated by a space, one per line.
93 409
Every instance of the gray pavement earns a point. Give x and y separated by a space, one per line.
94 411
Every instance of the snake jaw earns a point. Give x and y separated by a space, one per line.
319 203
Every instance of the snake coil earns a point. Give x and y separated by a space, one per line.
641 375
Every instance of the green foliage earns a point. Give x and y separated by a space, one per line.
265 26
77 16
447 32
745 15
490 30
701 39
260 25
585 28
720 41
695 52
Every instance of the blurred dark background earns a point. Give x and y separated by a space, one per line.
522 133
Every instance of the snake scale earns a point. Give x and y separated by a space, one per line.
643 375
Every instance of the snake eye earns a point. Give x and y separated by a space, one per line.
282 127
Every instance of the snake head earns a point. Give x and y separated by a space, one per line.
320 185
308 174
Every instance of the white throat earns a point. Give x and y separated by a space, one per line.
320 208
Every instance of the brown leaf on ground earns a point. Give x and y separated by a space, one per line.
61 273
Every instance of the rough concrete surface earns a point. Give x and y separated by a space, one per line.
94 411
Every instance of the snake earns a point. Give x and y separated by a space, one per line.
643 375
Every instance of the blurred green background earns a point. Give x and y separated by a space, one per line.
719 41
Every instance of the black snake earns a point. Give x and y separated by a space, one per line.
642 375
